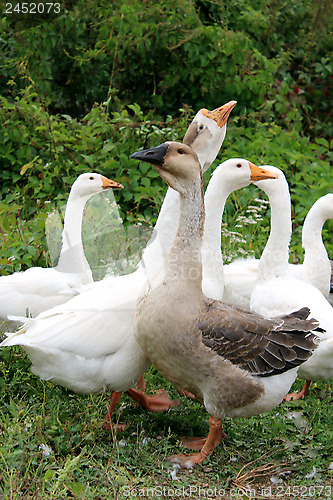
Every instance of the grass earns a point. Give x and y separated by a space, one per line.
53 445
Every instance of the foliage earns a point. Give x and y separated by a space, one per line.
69 81
272 58
42 154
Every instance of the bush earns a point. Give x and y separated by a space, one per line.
68 84
271 58
41 155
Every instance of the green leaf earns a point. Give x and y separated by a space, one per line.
323 142
109 146
78 489
49 474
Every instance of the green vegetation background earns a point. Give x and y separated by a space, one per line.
83 89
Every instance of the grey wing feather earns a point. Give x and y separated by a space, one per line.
259 345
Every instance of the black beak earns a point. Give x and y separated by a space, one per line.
155 156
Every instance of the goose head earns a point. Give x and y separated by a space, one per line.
176 163
269 186
91 183
324 206
207 131
236 173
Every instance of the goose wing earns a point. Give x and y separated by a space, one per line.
95 323
35 289
259 345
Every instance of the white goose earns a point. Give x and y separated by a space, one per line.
234 361
278 292
241 275
37 288
87 344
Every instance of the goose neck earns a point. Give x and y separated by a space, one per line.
183 263
312 235
164 231
212 259
316 263
72 258
275 257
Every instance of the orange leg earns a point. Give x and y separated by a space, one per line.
293 396
214 437
141 384
182 392
156 402
114 400
196 443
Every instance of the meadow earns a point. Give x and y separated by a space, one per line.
53 445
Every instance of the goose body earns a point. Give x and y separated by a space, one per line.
88 344
241 275
37 289
86 356
277 291
234 361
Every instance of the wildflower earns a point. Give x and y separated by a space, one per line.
252 209
47 451
311 474
173 473
145 441
262 202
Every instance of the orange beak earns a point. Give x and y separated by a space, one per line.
221 114
108 183
259 174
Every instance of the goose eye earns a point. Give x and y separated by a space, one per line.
238 165
91 178
181 151
201 127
